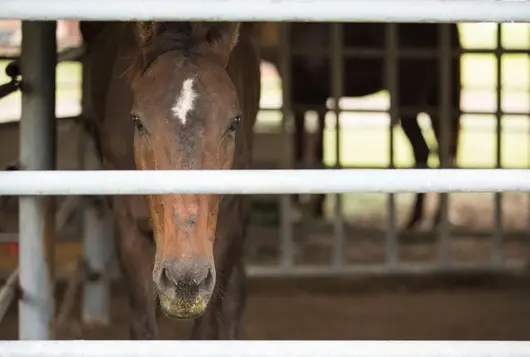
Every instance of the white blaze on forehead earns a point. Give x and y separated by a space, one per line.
185 101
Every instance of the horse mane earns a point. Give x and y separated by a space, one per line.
157 38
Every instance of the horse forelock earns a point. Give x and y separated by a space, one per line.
157 38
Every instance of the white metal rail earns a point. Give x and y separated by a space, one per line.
125 182
265 348
271 10
35 318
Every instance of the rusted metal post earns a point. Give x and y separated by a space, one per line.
37 152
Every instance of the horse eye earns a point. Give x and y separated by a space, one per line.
235 122
137 122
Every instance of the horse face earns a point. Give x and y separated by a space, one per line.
186 113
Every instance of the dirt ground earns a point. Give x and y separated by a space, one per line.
486 308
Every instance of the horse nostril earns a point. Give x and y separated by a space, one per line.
186 279
165 280
167 276
207 284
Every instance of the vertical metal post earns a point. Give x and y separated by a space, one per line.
287 248
37 152
445 58
391 75
528 194
336 85
97 230
497 238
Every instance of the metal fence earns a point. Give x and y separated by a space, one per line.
392 264
38 143
265 348
273 10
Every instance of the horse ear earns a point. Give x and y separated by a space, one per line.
223 37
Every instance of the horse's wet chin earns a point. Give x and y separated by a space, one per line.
180 309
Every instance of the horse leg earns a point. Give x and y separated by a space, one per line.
453 152
299 144
317 206
454 136
135 254
435 122
420 149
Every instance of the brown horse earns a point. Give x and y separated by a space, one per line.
189 102
418 83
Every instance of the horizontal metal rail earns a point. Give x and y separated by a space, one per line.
371 269
271 10
75 53
411 53
319 166
355 234
125 182
16 121
13 71
354 269
68 54
65 236
266 348
405 110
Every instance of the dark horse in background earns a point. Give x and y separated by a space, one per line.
418 83
174 96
